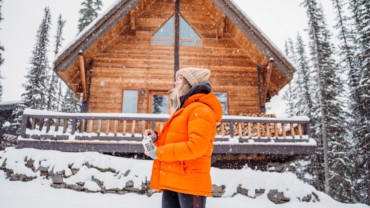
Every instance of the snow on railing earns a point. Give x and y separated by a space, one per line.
121 126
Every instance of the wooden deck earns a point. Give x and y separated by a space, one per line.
122 133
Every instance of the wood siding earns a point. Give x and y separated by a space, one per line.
131 62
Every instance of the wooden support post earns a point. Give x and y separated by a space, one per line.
292 132
124 127
300 130
115 127
222 129
267 80
132 20
260 86
107 129
231 124
99 127
258 130
276 130
74 125
177 38
65 125
48 124
143 126
90 126
220 27
41 123
240 129
268 134
133 128
57 123
33 124
82 125
250 129
284 131
83 77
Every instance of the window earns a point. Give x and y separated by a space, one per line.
130 101
166 34
222 97
160 104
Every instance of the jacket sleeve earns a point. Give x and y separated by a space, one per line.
200 124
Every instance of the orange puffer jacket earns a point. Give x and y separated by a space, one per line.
185 146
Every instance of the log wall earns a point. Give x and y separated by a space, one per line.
131 62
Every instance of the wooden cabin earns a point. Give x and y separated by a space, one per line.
124 63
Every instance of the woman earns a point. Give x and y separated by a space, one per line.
182 159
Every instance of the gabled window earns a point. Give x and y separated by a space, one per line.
166 34
222 97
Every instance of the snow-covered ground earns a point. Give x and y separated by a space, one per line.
113 172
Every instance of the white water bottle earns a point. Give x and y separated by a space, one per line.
148 144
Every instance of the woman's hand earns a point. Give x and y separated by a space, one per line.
151 134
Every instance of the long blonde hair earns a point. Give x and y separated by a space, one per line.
176 93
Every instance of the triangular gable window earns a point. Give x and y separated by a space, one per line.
166 34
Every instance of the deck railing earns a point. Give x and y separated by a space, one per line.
116 126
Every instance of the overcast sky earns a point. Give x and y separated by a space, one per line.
278 19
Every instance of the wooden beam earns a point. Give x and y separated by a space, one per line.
132 20
221 27
177 39
266 74
82 76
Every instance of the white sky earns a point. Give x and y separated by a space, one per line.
278 19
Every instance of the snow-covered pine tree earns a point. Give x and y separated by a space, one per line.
98 4
70 103
352 67
1 52
36 78
304 102
327 115
304 70
54 89
88 12
58 44
288 94
360 105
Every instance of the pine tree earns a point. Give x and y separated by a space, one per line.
1 55
303 69
288 94
88 12
70 104
36 78
360 105
327 111
54 90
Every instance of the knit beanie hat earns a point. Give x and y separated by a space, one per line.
194 76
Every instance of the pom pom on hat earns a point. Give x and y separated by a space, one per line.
194 76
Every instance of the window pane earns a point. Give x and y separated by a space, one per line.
160 104
166 34
187 34
222 97
130 99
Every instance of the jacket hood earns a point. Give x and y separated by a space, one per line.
210 100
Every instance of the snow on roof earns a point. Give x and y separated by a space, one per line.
88 28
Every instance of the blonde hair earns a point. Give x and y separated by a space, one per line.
176 93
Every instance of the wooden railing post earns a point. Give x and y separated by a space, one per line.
74 125
231 129
24 125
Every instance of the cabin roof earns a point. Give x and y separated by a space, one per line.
91 34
